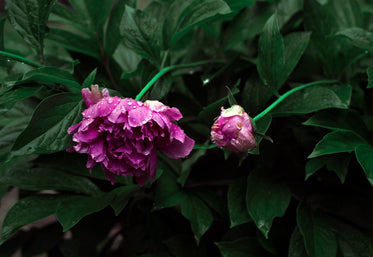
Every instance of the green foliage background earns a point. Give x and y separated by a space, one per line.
308 193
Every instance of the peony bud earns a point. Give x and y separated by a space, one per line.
233 130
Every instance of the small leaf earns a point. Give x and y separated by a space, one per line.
30 18
337 142
28 210
271 54
265 199
47 131
314 99
243 247
364 155
89 80
237 202
319 239
336 162
199 215
72 210
46 179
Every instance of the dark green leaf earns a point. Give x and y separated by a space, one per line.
359 37
296 246
70 211
89 80
337 142
47 131
199 215
47 179
319 239
243 247
28 210
139 33
213 200
237 5
187 165
336 162
237 202
271 56
183 16
63 14
265 199
338 119
370 77
364 154
261 126
10 98
121 196
112 35
2 22
30 18
314 99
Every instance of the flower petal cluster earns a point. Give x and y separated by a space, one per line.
233 130
123 135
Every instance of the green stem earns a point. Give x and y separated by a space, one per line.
163 72
290 92
197 146
21 59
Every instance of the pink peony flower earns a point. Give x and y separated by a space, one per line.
123 135
233 130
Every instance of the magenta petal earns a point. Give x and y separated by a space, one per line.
139 116
178 149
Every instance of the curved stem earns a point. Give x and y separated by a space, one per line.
21 59
163 72
290 92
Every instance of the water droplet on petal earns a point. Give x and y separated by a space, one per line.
134 107
110 100
129 103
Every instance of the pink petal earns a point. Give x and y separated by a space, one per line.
178 149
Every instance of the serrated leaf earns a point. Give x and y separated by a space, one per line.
364 155
336 162
271 53
337 142
47 179
199 215
314 99
47 131
237 202
265 199
183 16
243 247
319 239
30 18
28 210
70 211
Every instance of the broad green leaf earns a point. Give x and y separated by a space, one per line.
336 162
139 33
364 155
295 44
93 13
199 215
121 196
338 119
265 199
47 179
319 239
286 9
52 76
10 132
213 200
47 131
183 16
237 202
112 36
65 15
10 98
78 43
296 246
313 99
237 5
358 37
28 210
271 56
370 77
168 192
89 80
243 247
70 211
338 141
30 18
